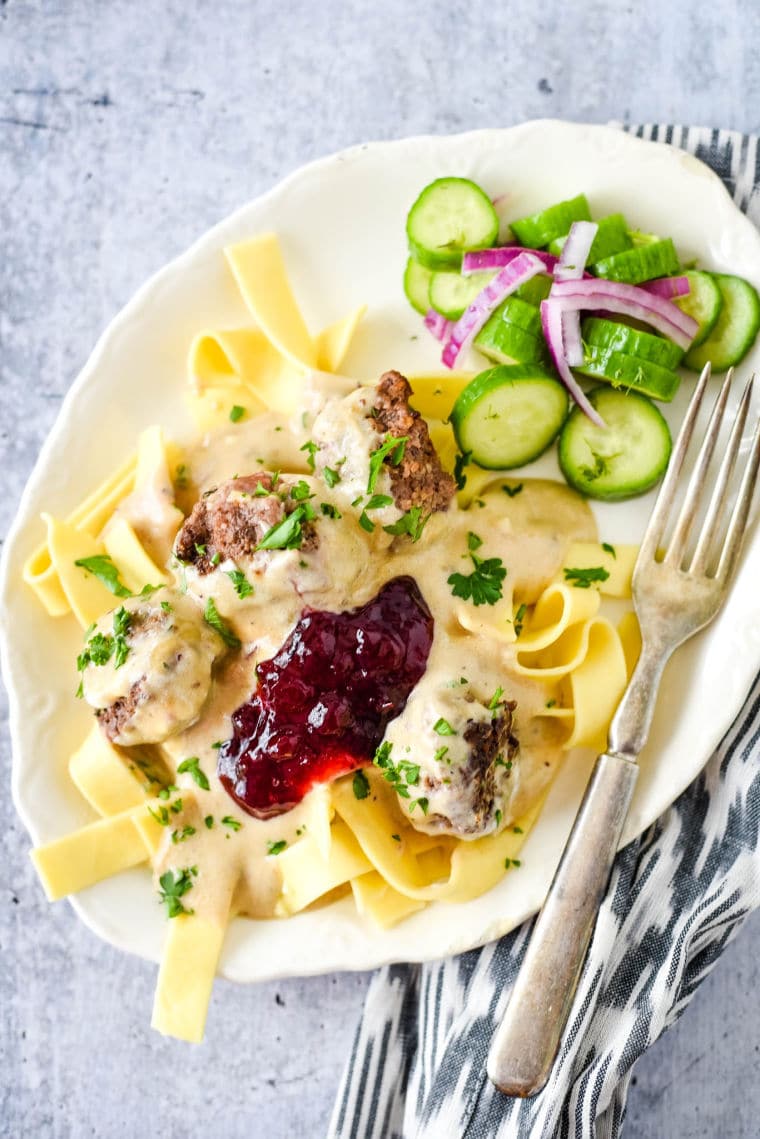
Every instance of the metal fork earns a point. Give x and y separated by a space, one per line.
674 596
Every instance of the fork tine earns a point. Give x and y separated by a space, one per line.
656 526
716 508
738 523
679 538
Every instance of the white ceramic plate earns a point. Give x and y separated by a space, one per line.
341 223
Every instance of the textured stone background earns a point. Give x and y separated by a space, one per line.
126 129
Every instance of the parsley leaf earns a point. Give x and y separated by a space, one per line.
411 523
360 784
329 510
392 449
583 578
311 448
495 700
236 413
243 587
519 619
232 823
301 491
473 541
102 567
484 585
443 728
608 549
398 775
276 847
174 885
512 490
192 767
212 618
102 646
331 476
462 460
183 835
288 534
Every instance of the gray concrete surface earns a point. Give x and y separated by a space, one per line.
126 129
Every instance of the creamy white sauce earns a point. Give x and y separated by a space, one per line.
529 532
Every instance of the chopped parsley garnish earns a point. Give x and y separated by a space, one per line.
462 460
102 646
183 835
498 816
411 523
600 467
301 491
200 549
512 490
330 511
441 753
396 837
443 728
422 803
212 618
215 560
193 768
102 567
276 847
583 578
217 744
229 821
511 862
236 413
311 448
473 541
174 885
519 619
392 449
331 476
375 502
209 821
495 700
166 607
243 587
551 703
517 830
161 815
484 585
288 534
609 550
402 775
360 784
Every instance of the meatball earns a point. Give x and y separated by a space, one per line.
461 753
348 432
231 520
419 479
147 667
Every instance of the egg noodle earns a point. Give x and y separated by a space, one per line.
365 845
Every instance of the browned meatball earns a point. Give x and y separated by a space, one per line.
230 521
419 479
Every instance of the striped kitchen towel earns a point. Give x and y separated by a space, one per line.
676 898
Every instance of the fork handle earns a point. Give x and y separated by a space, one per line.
525 1044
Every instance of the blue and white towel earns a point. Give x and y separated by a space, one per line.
676 898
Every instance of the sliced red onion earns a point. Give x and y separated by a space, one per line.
570 267
628 300
516 273
437 324
481 260
668 287
575 251
551 322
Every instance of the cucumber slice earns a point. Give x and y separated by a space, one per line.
539 229
611 237
622 459
644 263
536 289
417 285
508 416
505 343
517 311
451 216
703 303
624 371
610 335
735 329
451 293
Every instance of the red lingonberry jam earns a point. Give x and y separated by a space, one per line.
323 702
